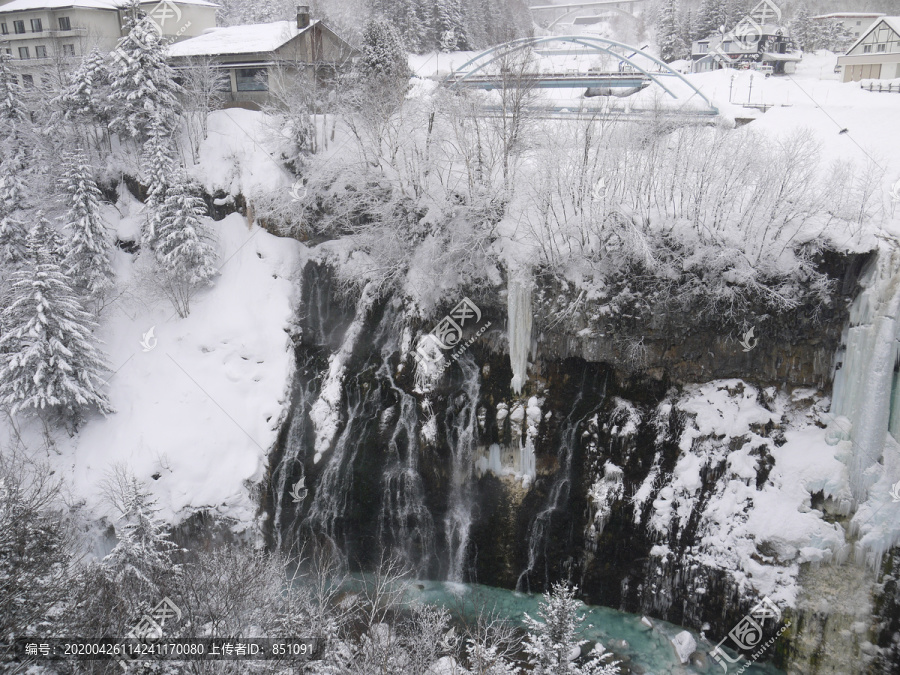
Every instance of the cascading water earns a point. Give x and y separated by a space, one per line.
540 530
461 423
405 525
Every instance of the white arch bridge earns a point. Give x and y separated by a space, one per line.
599 65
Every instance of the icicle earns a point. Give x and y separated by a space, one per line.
864 386
519 319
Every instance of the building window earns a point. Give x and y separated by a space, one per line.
28 81
856 34
859 23
23 52
703 48
68 50
252 79
867 49
40 52
4 29
64 23
881 48
19 27
36 26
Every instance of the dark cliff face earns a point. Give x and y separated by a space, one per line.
388 487
666 340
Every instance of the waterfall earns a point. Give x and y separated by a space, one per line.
519 318
289 469
557 500
405 525
370 410
325 411
461 423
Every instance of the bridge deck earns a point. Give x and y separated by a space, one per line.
555 80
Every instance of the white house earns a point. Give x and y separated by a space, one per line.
43 35
876 54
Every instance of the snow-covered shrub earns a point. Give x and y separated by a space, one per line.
709 219
35 545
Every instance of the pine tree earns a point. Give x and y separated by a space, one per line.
836 37
87 259
142 84
671 45
552 638
710 19
13 201
804 29
85 94
448 26
382 51
11 106
159 167
143 554
48 356
184 247
687 28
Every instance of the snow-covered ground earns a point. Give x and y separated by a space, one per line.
196 414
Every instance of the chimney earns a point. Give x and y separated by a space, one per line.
302 16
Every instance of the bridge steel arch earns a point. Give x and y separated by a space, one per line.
595 43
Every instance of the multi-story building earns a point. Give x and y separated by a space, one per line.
855 23
43 37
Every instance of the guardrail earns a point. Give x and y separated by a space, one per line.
890 88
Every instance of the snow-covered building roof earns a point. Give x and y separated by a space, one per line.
892 22
30 5
249 39
850 15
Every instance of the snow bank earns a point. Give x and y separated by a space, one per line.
197 413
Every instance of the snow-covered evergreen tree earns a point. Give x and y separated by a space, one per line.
449 26
11 106
84 96
804 30
553 644
382 51
184 246
687 29
159 166
144 552
49 359
142 84
711 18
836 37
671 44
87 259
13 190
